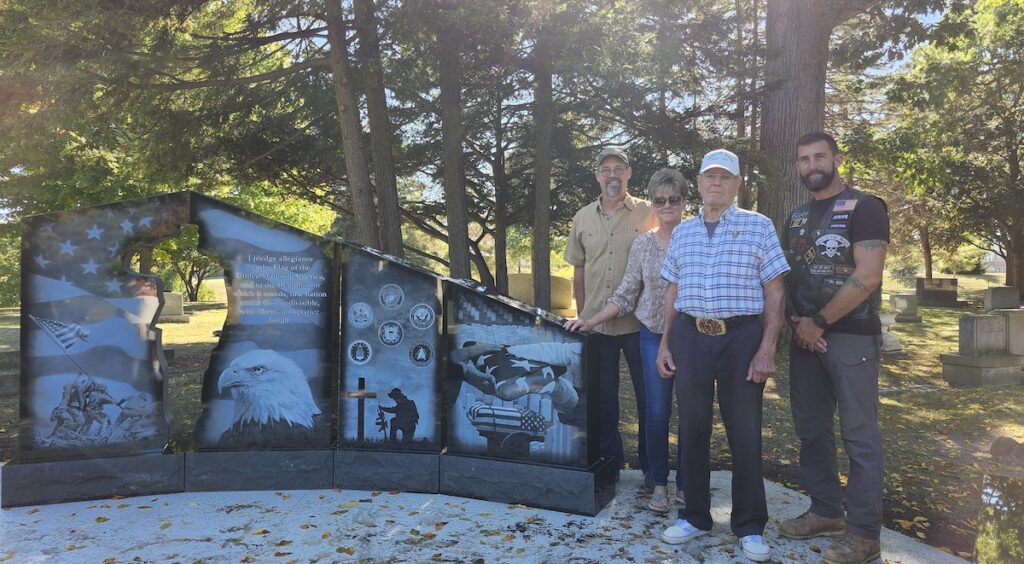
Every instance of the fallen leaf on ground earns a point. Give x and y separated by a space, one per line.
283 543
165 526
350 550
325 535
102 519
261 532
815 548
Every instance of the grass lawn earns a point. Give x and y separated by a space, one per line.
936 438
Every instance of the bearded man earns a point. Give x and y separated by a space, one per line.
598 248
836 246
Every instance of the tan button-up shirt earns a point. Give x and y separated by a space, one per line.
600 244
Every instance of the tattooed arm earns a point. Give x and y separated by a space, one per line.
869 257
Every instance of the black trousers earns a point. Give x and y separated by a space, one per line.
703 363
603 359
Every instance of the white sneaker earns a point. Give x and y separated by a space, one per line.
681 532
755 548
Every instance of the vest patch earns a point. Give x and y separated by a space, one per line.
809 255
844 269
832 245
821 269
844 205
840 216
798 222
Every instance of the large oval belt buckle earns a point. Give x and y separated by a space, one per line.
711 326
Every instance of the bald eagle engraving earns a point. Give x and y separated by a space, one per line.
271 398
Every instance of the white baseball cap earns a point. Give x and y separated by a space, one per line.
722 159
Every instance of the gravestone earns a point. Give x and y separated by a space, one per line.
905 304
1014 329
1002 297
890 342
982 334
937 292
173 310
983 358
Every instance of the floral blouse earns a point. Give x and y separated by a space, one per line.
642 290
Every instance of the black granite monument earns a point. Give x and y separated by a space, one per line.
337 365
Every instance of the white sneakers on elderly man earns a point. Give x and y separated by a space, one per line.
753 546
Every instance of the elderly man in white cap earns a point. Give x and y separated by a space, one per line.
723 312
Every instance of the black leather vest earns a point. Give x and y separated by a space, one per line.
821 257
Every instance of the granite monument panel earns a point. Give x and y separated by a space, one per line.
517 385
270 380
92 368
391 373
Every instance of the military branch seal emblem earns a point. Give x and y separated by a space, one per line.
391 296
360 315
420 354
421 316
390 333
360 352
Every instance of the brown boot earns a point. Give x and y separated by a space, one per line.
852 549
811 525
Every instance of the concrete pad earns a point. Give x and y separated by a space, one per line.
329 525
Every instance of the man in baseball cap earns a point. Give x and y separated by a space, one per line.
725 269
598 248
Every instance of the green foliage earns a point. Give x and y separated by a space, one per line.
965 259
10 271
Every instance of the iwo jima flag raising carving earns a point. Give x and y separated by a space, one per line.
92 374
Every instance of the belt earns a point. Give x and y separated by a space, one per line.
715 327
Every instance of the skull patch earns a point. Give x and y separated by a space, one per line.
831 245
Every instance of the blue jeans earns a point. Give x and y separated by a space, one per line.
604 363
658 393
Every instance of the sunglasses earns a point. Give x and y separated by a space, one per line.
660 202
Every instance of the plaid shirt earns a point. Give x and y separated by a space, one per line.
722 276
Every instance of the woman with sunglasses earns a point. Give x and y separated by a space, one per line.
642 292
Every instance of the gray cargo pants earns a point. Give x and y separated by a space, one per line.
846 375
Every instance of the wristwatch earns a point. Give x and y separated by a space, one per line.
819 320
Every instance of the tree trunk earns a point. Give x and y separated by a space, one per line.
1015 261
146 260
364 213
542 118
450 74
501 204
745 196
797 58
381 138
926 250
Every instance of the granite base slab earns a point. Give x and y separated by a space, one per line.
570 490
970 371
259 470
378 470
36 483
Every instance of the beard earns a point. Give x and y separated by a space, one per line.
613 187
821 183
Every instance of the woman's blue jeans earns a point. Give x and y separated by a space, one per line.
658 395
